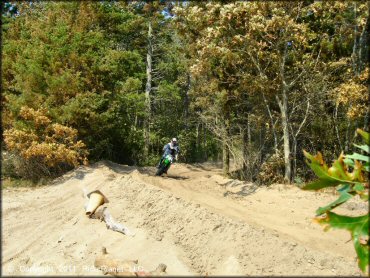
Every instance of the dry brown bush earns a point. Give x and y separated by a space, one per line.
39 148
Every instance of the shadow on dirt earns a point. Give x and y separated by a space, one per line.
117 168
239 189
147 170
78 173
193 168
175 177
245 191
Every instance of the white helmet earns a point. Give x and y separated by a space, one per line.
173 143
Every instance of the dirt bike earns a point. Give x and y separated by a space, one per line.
164 165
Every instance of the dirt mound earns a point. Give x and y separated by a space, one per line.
194 221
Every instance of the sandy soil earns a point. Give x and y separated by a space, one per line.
194 220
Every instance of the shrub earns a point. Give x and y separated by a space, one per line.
38 148
272 170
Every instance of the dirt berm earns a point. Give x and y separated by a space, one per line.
195 221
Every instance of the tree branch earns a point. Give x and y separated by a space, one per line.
304 120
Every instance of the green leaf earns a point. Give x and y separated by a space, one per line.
359 187
357 174
359 229
344 196
365 135
365 148
358 156
362 251
337 172
316 161
349 162
321 183
345 187
359 224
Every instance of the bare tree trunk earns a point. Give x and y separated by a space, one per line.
249 135
285 122
226 159
135 122
245 146
205 155
226 151
272 124
283 105
347 142
197 139
360 55
186 103
294 170
148 89
293 153
294 137
355 50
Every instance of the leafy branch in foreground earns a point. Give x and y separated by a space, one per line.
348 174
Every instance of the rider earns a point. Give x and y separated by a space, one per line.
171 148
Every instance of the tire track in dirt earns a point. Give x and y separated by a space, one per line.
208 193
235 246
184 221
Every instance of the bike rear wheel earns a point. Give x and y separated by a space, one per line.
162 169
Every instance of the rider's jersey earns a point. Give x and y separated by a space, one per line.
167 150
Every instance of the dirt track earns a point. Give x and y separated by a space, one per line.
194 221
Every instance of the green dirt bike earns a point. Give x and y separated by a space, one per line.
164 165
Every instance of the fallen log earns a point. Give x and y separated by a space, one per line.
96 211
103 214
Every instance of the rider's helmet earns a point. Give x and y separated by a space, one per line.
174 142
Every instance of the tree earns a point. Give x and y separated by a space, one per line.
263 53
66 64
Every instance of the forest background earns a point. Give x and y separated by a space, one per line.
251 84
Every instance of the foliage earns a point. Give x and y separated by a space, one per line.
34 138
220 74
62 63
253 56
353 94
348 172
272 170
